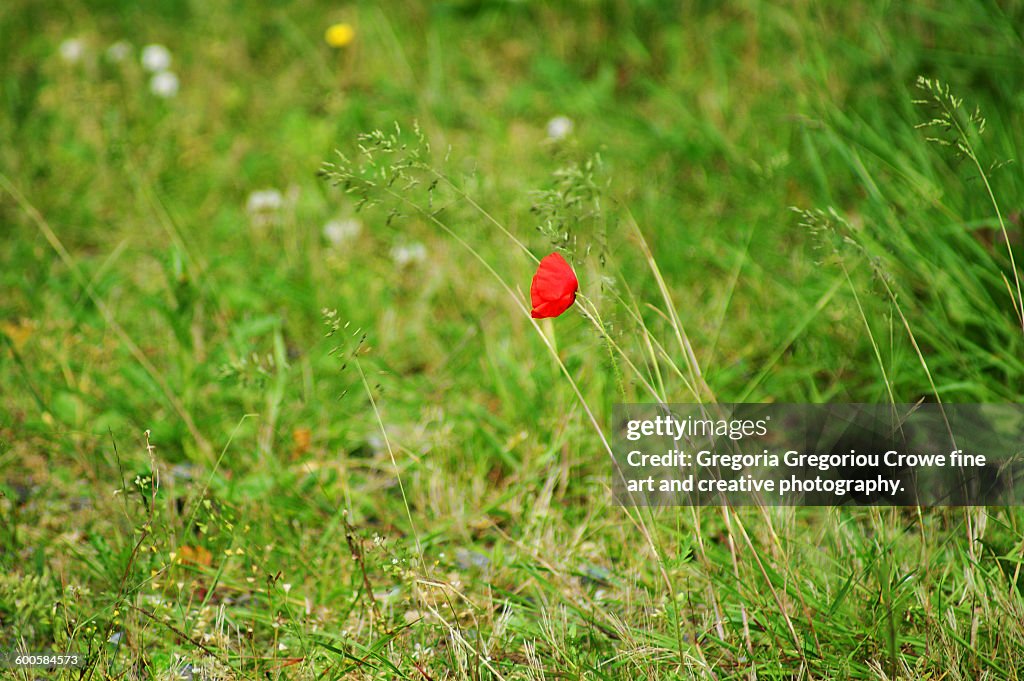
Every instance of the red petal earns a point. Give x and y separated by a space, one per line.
554 287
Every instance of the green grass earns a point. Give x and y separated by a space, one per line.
424 493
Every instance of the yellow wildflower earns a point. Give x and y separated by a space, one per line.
340 35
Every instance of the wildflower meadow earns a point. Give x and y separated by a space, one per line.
315 319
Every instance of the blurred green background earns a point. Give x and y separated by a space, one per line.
168 247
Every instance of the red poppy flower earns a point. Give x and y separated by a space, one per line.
554 287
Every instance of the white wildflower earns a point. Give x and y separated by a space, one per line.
559 128
164 84
72 50
119 51
156 58
409 254
338 232
264 201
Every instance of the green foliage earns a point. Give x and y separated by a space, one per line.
364 460
26 606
